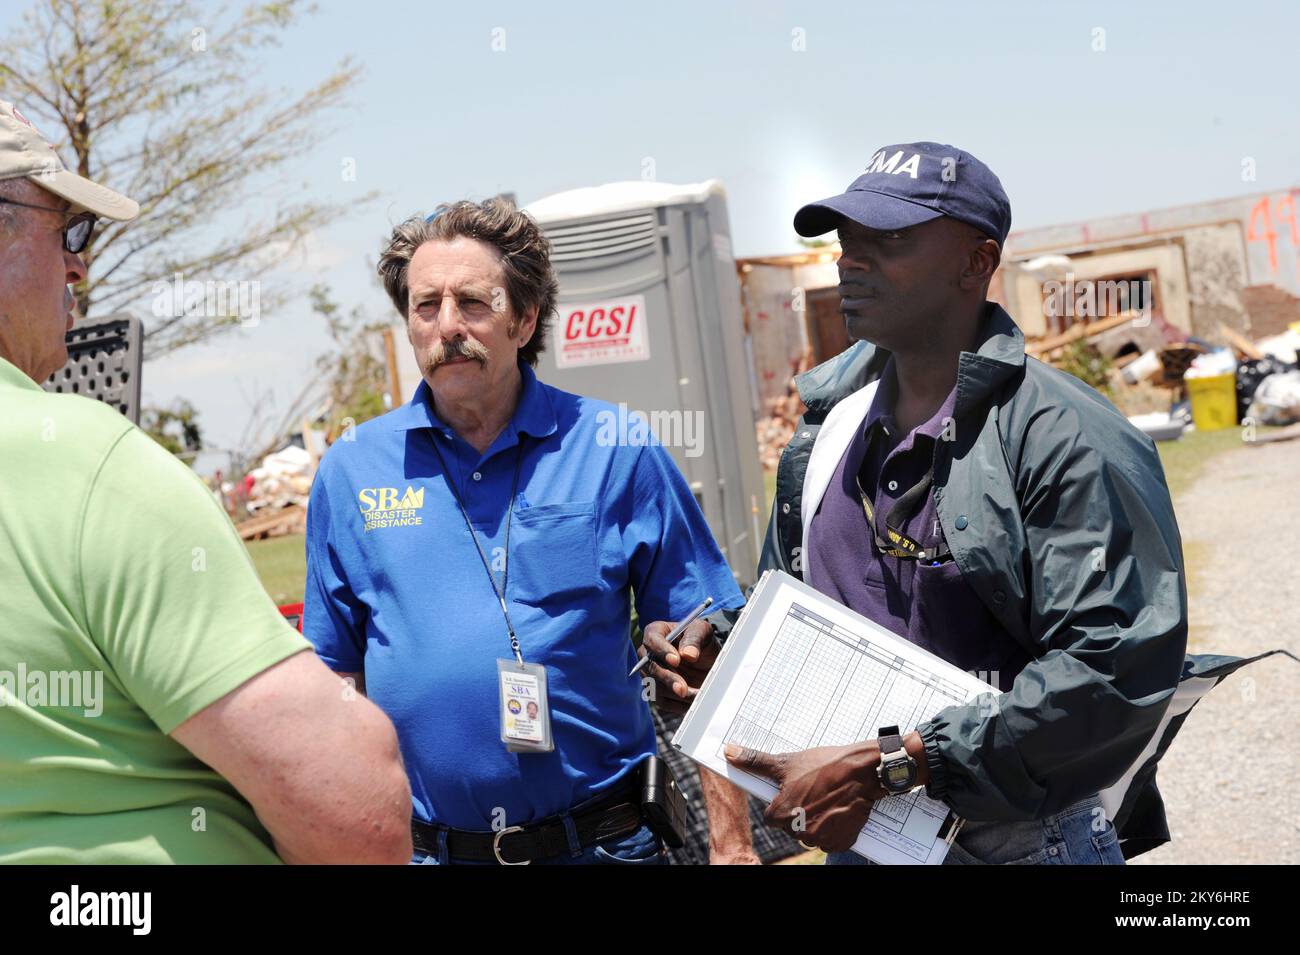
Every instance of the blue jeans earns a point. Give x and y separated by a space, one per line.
641 847
1077 835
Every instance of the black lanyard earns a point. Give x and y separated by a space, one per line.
900 544
510 509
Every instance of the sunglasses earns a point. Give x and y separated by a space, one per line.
76 231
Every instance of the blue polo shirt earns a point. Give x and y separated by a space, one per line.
395 587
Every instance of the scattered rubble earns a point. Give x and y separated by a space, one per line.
1276 400
291 519
776 427
271 499
1151 364
1159 425
282 479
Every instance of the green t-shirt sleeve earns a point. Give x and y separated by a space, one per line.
169 592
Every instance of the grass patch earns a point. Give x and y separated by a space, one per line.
1185 458
281 563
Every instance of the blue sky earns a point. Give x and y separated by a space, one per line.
584 92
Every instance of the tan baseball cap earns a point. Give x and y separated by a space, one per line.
24 152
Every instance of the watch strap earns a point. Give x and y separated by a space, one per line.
889 739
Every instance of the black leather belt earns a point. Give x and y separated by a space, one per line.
605 817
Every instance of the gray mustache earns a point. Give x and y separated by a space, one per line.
443 352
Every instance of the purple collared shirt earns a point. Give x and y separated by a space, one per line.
932 606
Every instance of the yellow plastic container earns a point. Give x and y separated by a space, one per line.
1214 401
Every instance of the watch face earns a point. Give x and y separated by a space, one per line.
898 775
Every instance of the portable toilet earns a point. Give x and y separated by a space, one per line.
649 319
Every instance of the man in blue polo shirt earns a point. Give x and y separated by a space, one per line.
472 558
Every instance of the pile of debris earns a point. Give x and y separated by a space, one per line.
273 494
776 427
1166 380
282 479
1150 367
291 519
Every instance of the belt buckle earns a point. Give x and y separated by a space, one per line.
496 846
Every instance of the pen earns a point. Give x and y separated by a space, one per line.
677 631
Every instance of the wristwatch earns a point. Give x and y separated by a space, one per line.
897 770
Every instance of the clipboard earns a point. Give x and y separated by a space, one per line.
800 670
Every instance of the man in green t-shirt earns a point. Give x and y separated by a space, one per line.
154 707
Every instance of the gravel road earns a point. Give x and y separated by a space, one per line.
1230 779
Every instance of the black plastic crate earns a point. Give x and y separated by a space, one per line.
104 361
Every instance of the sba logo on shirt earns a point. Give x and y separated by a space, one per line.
387 507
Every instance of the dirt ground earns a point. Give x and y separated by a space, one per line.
1229 780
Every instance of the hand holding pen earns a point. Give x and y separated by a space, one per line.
678 657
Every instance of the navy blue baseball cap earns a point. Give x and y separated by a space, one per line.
912 183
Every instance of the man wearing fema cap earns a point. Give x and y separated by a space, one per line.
154 705
991 509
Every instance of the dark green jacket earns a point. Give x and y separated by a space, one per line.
1058 515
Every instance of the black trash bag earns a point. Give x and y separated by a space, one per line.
1250 373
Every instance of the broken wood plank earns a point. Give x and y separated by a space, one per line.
1283 434
1240 342
285 520
1128 359
1077 331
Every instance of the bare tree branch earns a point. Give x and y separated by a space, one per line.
160 99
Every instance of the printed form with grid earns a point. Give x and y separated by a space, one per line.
799 670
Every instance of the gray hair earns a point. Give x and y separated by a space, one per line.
10 189
524 249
